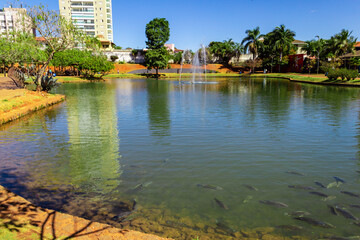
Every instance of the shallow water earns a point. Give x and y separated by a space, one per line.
96 149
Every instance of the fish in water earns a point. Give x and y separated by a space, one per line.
250 187
339 180
289 227
275 204
298 214
319 194
333 184
350 194
147 184
315 222
358 171
345 213
134 204
224 227
329 198
138 187
357 224
341 238
354 206
247 199
221 204
295 173
320 184
212 187
301 187
333 210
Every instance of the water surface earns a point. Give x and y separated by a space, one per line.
155 141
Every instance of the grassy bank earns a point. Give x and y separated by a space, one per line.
309 78
17 103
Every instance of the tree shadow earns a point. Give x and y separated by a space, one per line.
22 217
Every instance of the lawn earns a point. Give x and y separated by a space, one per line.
316 78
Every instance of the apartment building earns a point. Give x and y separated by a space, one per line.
92 16
11 19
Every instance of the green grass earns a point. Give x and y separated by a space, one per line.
70 79
316 78
9 104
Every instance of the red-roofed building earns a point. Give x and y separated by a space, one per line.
357 46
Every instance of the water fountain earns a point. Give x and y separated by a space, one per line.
199 66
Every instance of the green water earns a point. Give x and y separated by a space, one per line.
96 149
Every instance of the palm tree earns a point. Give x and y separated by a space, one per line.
282 39
310 47
314 48
342 42
253 41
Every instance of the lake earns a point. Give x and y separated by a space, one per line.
235 158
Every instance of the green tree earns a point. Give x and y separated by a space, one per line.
282 39
19 47
134 52
158 33
225 50
341 43
114 58
268 53
253 41
315 48
57 32
157 59
91 64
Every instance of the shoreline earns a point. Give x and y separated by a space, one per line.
17 103
20 219
292 79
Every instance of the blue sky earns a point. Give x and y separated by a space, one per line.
195 22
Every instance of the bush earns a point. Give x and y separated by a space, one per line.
114 58
353 74
333 74
343 73
48 82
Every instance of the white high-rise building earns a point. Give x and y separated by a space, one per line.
92 16
12 19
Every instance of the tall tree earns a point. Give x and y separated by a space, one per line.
315 48
19 47
58 34
253 41
225 50
158 33
341 43
282 39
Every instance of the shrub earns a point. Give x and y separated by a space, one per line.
343 73
48 82
353 74
114 58
333 74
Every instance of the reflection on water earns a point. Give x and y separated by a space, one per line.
93 154
159 115
181 154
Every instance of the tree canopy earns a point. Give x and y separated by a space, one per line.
253 41
225 50
158 33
